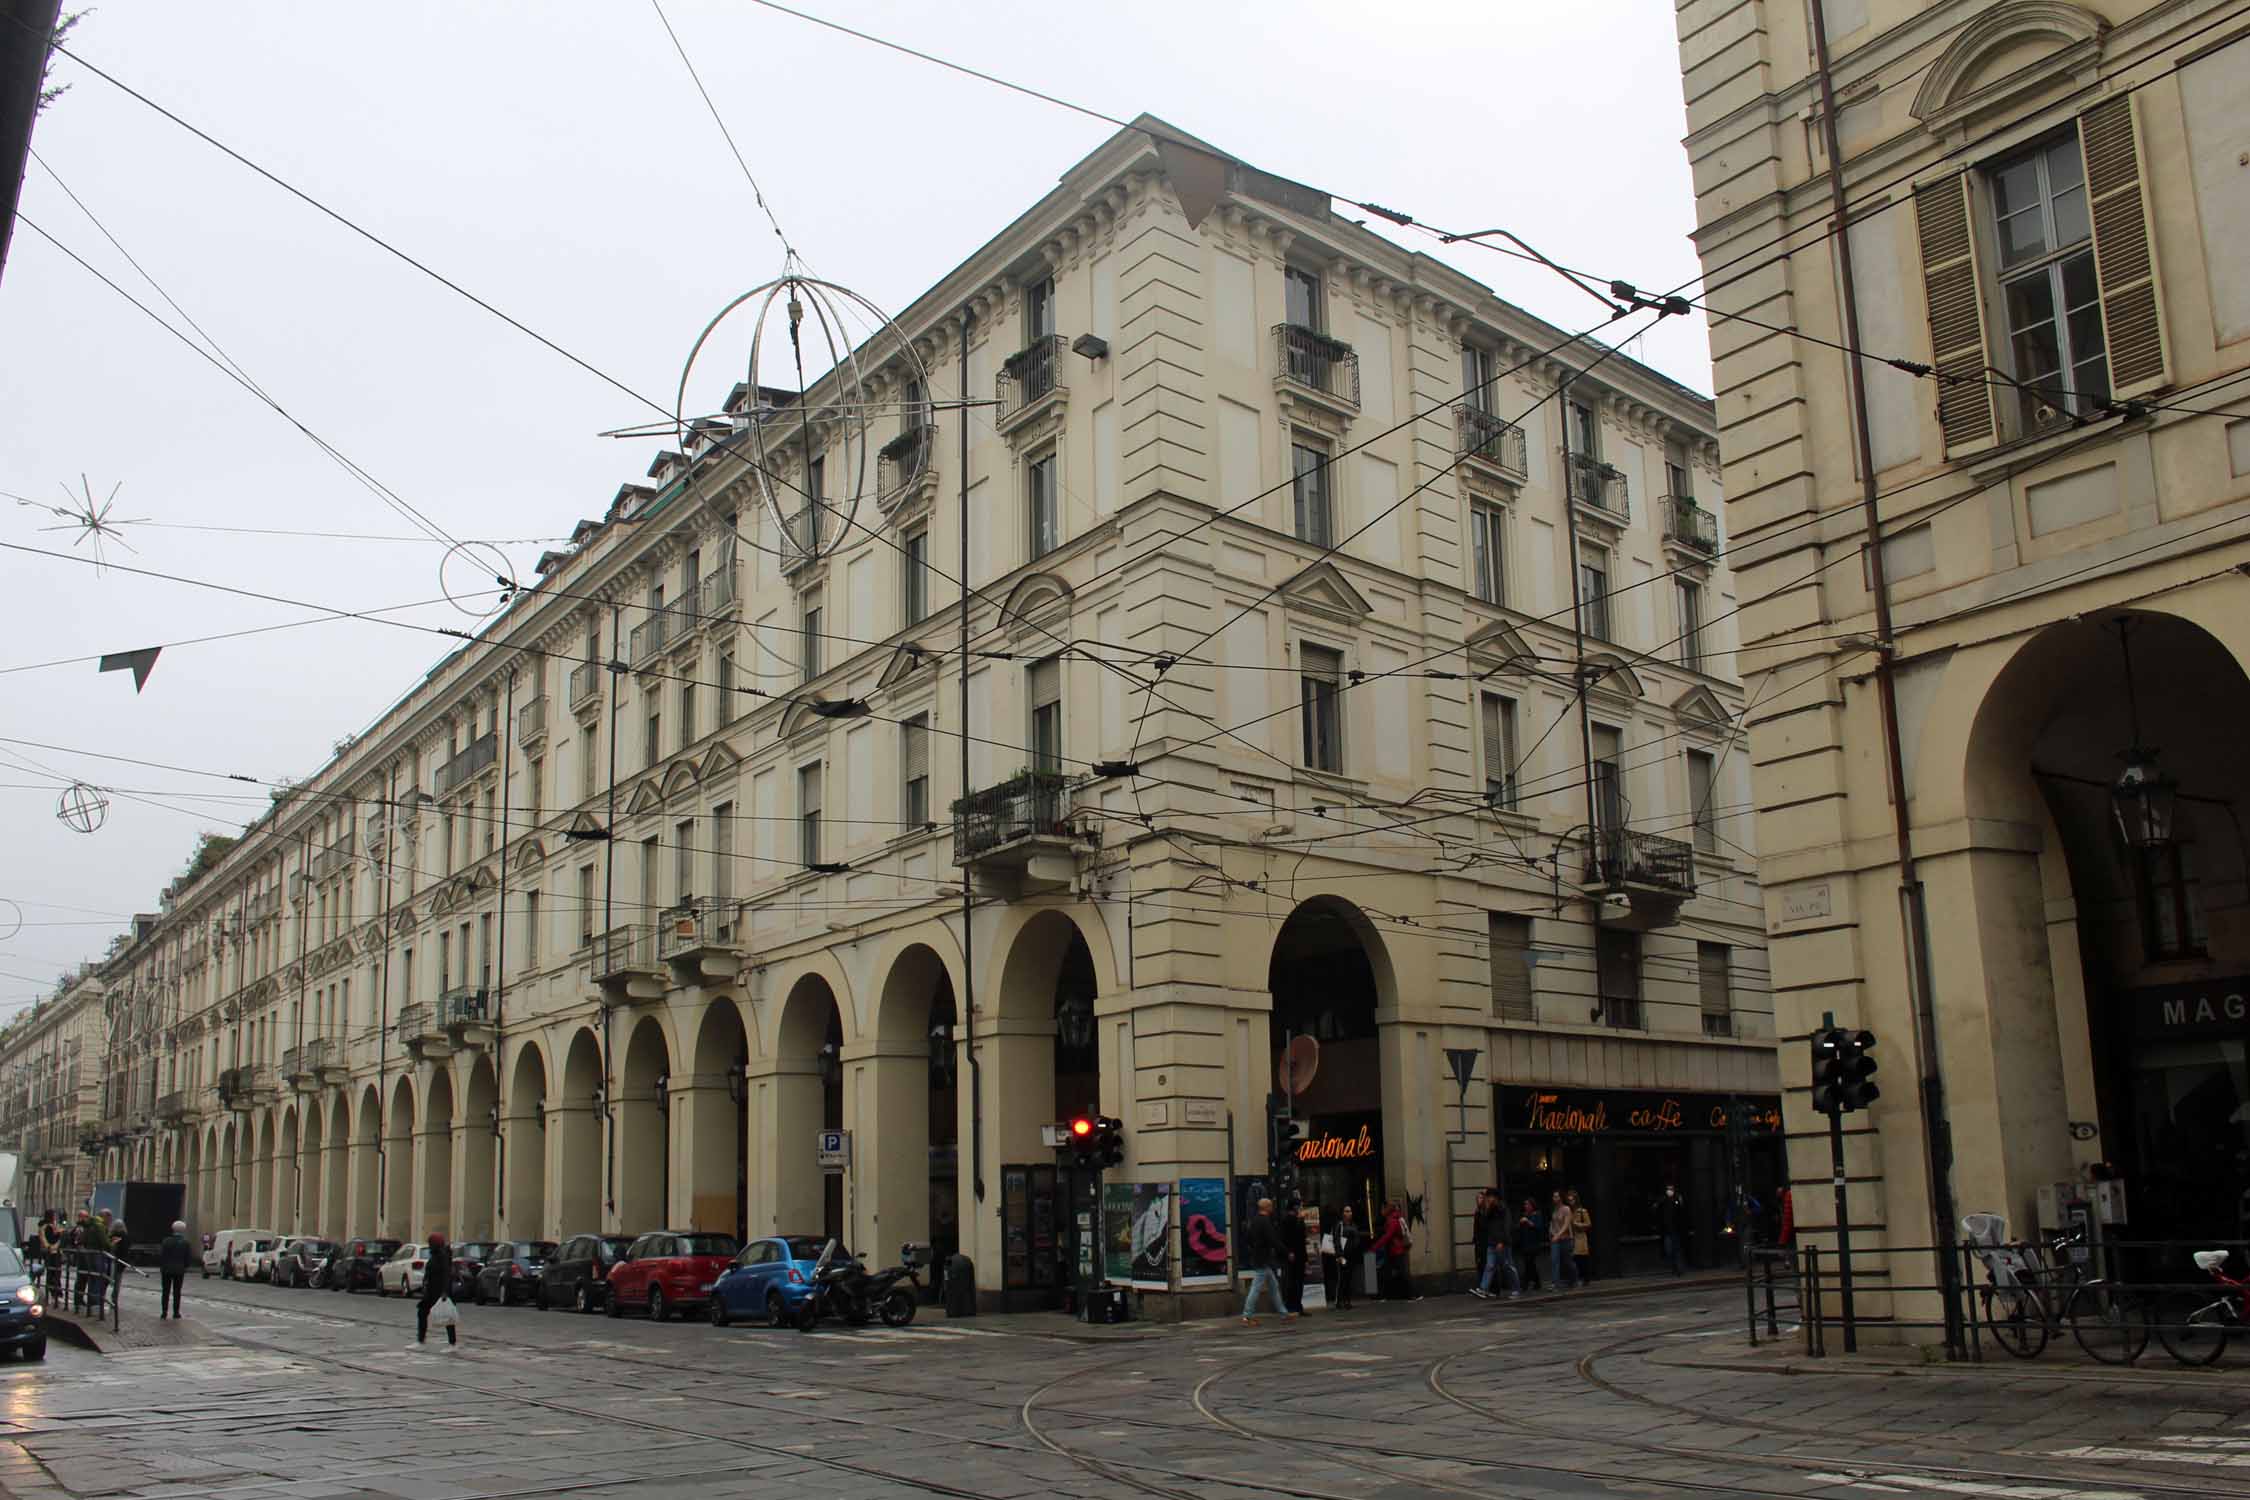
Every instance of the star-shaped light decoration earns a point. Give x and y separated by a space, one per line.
93 522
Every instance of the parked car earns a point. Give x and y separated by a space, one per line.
669 1271
511 1272
23 1311
252 1259
577 1274
300 1260
266 1261
218 1256
361 1265
769 1279
401 1275
468 1259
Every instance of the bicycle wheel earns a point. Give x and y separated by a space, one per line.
2108 1324
2193 1326
2017 1320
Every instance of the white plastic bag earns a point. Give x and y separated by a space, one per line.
445 1314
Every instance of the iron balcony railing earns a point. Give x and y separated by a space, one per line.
293 1066
1030 804
585 683
1493 440
334 859
624 950
1030 375
1689 524
323 1054
465 1005
172 1106
531 721
648 637
253 1081
695 925
471 759
1626 856
1599 487
415 1022
1318 363
229 1083
800 537
718 592
904 458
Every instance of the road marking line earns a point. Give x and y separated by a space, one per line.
1902 1483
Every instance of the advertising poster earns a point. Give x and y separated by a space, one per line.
1117 1233
1315 1296
1150 1266
1203 1231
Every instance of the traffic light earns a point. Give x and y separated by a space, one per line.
1082 1132
1843 1075
1283 1136
1109 1141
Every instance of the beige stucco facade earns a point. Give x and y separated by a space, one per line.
51 1096
2081 990
554 946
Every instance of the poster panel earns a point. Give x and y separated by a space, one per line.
1203 1231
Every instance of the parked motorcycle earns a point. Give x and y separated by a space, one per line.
844 1288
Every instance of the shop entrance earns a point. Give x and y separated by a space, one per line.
1049 1044
1324 979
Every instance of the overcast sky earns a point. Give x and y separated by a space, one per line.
554 158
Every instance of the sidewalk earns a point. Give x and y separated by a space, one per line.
1786 1356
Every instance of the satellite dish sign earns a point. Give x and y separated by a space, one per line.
1299 1061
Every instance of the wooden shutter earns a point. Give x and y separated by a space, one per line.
1511 966
1957 342
2132 324
1714 977
916 747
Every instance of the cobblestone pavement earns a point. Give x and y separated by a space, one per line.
289 1395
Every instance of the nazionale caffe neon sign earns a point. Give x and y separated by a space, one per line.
1334 1147
1597 1112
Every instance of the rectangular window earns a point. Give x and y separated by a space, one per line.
726 686
406 967
808 814
588 769
1044 515
2044 230
1305 306
1618 960
1310 494
1593 591
1690 596
1320 685
585 905
1477 381
683 861
1039 310
445 961
531 929
1583 430
491 818
1509 938
687 714
445 826
914 560
816 481
1499 721
1487 557
1609 786
484 951
1702 784
1676 481
2171 902
535 778
1714 973
651 862
655 743
722 855
914 770
808 651
1044 690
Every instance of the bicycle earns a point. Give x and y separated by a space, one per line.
2032 1292
2195 1325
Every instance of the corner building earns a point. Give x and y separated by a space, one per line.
2046 208
676 868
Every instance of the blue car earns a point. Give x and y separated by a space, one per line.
771 1279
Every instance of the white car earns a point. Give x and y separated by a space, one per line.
401 1275
252 1261
220 1259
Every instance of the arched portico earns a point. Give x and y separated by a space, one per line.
715 1123
433 1152
524 1126
336 1210
479 1129
644 1130
913 1185
575 1138
1331 980
367 1169
259 1171
285 1219
398 1161
806 1085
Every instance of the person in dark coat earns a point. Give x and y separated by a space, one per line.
1291 1267
1530 1236
1671 1227
1391 1247
437 1281
1259 1251
1351 1244
173 1257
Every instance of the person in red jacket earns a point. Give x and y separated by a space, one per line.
1390 1247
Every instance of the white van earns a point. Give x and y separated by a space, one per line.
226 1245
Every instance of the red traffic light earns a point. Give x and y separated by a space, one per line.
1082 1126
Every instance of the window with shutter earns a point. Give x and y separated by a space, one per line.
2127 268
1957 344
1510 943
1499 716
914 756
1044 686
1714 966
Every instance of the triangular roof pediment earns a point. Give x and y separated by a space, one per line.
1324 589
1616 679
1699 705
719 761
646 798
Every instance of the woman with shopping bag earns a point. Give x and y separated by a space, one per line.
437 1284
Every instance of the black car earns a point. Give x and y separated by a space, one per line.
23 1312
300 1261
468 1259
360 1264
511 1272
577 1274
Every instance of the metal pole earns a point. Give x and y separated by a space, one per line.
1843 1232
609 881
1937 1139
968 937
1578 648
500 964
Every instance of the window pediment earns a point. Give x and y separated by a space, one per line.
1497 647
1608 677
646 798
679 781
1700 708
1037 599
2006 53
904 663
719 761
1322 589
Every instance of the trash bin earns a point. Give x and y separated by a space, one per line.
960 1287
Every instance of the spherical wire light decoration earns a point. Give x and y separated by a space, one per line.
81 808
849 346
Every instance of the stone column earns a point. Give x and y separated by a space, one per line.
887 1109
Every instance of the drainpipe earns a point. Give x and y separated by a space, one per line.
609 882
304 918
1937 1136
1578 654
968 936
383 996
500 962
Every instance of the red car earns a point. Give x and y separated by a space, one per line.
669 1271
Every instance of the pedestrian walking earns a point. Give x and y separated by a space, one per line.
1351 1247
1291 1226
1530 1233
1582 1238
172 1259
51 1253
1261 1250
437 1286
1671 1214
1391 1247
1563 1266
1493 1254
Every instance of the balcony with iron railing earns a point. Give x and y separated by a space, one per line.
1598 488
698 940
531 721
1309 362
627 969
419 1033
1689 525
253 1083
468 762
801 535
335 859
907 463
719 593
172 1106
1493 441
1031 381
294 1070
1022 826
325 1056
1639 880
466 1013
645 642
585 684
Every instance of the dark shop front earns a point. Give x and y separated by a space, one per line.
1620 1148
